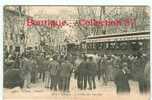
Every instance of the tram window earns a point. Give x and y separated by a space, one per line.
93 46
135 46
133 42
101 46
97 46
89 46
117 45
83 46
112 45
109 46
106 45
123 45
140 43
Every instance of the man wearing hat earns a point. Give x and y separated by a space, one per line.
121 79
53 68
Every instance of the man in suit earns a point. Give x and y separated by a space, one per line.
60 60
92 72
41 69
27 69
121 79
47 72
53 68
138 72
82 74
65 73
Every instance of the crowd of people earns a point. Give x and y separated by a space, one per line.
56 71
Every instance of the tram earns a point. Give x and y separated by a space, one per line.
119 43
122 43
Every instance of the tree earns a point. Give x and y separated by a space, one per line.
138 17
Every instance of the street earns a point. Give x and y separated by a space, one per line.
38 92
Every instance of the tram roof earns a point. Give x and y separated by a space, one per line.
140 35
119 34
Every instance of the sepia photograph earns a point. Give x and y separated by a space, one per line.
76 52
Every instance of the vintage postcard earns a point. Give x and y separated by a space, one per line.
76 52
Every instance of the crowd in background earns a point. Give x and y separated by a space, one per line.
56 71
